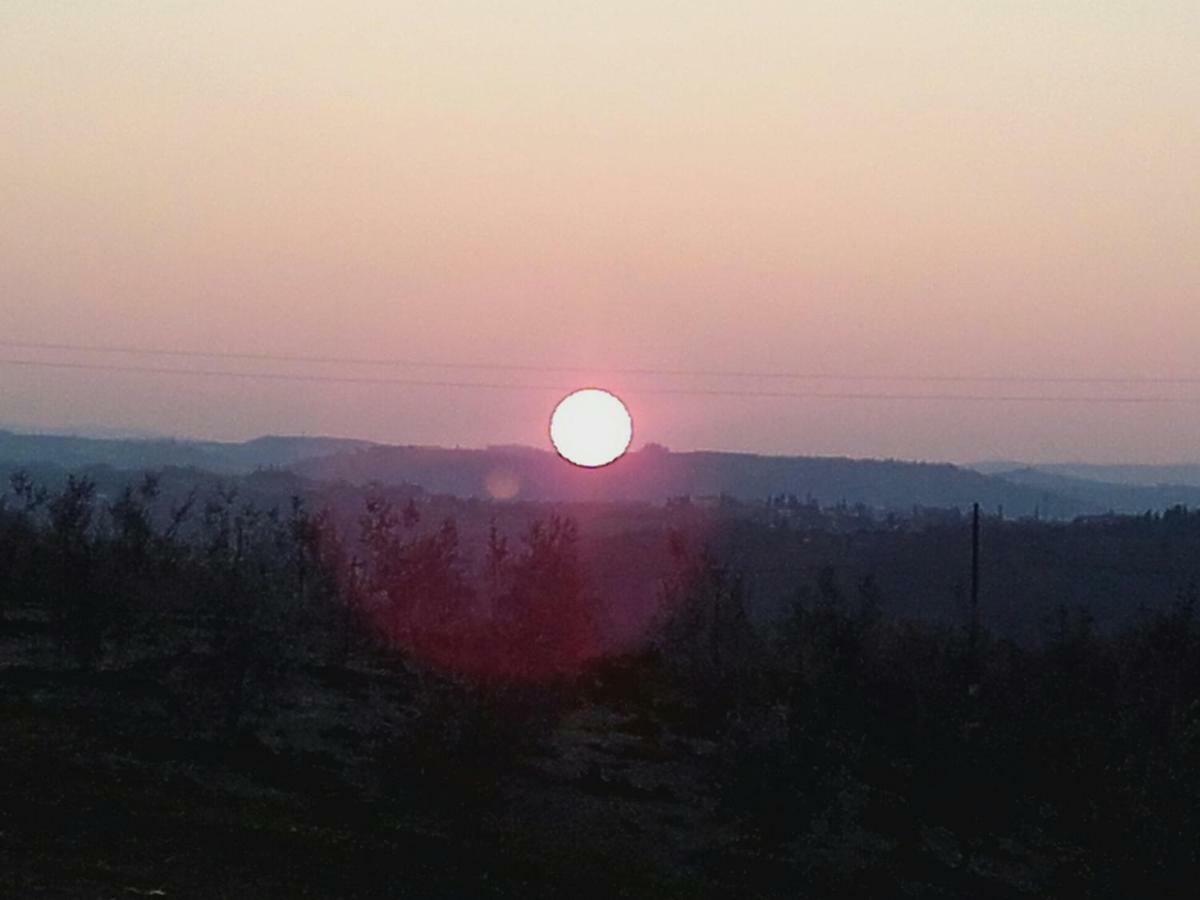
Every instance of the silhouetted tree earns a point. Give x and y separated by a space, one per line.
77 610
545 613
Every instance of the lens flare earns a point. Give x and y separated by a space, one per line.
591 428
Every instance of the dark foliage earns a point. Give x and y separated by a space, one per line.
894 757
847 750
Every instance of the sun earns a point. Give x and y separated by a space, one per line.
591 428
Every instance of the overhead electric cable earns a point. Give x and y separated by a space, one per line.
638 371
492 385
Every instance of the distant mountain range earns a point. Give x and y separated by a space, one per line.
655 475
1104 495
70 452
1130 474
651 475
1139 488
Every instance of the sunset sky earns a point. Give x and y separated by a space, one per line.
957 188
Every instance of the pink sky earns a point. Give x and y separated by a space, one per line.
932 188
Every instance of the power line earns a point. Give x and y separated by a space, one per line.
276 376
639 371
694 392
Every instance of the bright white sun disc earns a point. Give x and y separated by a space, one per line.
591 428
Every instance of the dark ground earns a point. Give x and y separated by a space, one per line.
109 791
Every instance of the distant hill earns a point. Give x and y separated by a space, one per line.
655 475
104 432
1147 476
1114 497
652 474
1129 474
70 452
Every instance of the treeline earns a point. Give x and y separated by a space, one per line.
1110 566
857 751
254 592
901 754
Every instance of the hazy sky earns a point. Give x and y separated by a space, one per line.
922 188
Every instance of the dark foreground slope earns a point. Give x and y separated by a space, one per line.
244 712
846 759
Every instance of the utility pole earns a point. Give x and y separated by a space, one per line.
974 635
